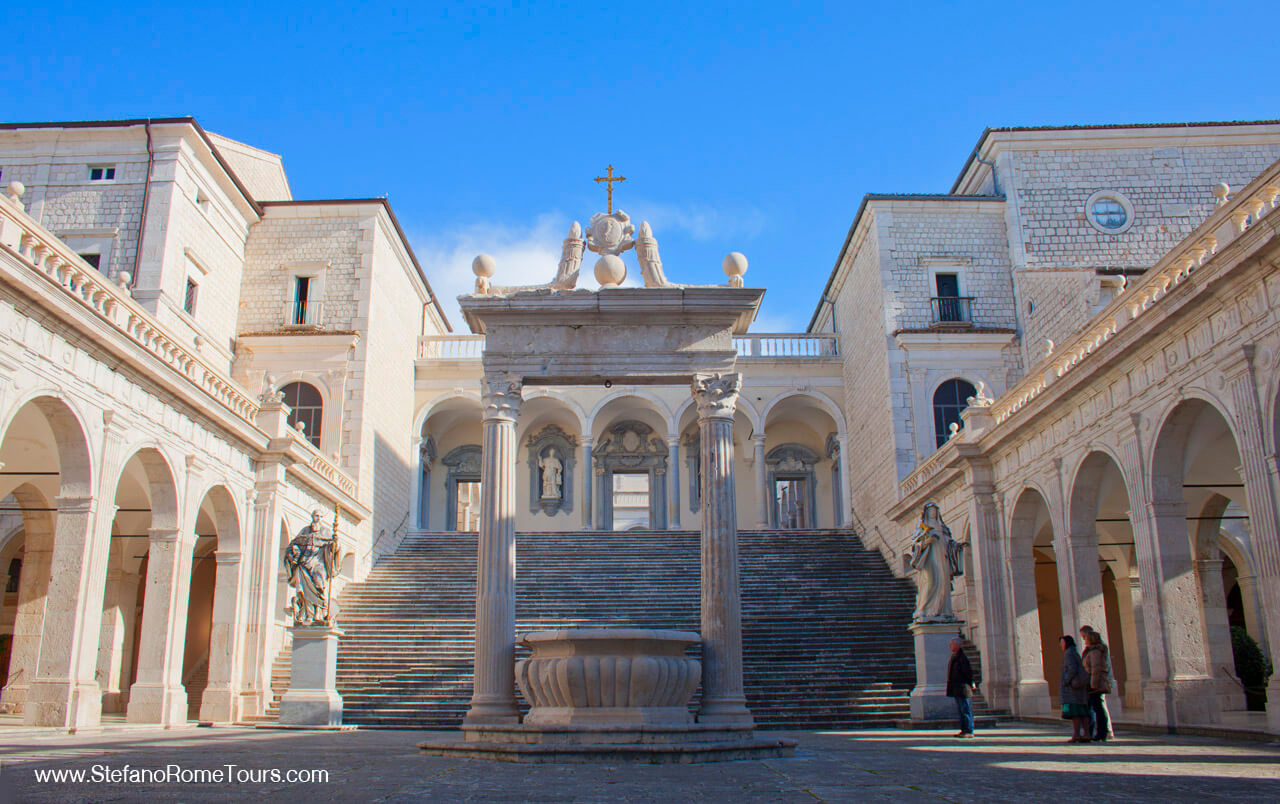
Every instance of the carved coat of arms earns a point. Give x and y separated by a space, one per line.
610 234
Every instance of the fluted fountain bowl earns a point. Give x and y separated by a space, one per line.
608 677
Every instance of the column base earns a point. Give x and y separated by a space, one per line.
115 701
12 699
726 714
220 705
156 703
322 708
1033 698
481 713
63 704
1273 705
929 700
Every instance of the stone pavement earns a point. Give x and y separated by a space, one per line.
1022 763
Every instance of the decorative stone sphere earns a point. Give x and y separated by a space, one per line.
1221 190
610 271
123 278
735 264
16 189
484 265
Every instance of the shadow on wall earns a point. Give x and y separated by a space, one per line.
392 483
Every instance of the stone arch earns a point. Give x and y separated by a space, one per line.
614 400
1037 604
1102 571
1194 456
446 423
222 642
822 400
568 402
745 407
35 539
810 419
70 437
548 421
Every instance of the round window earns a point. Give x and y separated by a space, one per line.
1109 211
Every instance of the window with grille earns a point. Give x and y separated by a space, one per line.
948 401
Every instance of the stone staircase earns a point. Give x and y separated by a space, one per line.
824 621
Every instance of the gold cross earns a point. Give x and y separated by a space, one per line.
609 179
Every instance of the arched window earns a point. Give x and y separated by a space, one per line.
950 398
306 406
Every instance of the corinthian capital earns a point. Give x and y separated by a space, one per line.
716 394
501 396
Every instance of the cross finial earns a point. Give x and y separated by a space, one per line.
609 179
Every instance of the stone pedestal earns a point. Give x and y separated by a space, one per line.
929 699
312 699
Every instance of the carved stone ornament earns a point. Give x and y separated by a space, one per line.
716 394
570 259
501 398
650 262
832 447
549 494
610 234
310 562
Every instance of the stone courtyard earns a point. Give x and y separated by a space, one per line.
1020 763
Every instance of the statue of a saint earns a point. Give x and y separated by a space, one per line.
311 561
552 471
936 559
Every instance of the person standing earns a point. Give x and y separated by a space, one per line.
960 686
1110 731
1073 687
1096 665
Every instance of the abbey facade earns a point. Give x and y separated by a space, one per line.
1074 352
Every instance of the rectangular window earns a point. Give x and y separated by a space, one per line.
102 173
948 285
301 288
189 299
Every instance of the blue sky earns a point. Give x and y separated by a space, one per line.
741 127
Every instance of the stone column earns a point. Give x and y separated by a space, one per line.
493 698
221 700
588 485
157 696
1087 607
763 517
846 500
989 566
1218 632
673 480
1249 598
723 700
1031 695
1135 643
64 692
33 588
113 642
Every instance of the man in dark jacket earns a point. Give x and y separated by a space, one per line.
960 686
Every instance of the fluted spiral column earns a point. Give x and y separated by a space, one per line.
493 696
723 699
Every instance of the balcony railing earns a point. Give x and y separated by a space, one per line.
785 345
952 311
303 313
450 347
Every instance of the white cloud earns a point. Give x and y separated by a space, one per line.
699 221
774 322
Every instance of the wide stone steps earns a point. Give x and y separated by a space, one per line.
824 621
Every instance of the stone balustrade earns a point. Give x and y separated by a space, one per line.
450 347
56 264
784 345
926 470
1231 219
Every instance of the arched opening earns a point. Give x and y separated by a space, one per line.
549 471
949 400
306 407
146 524
1037 605
631 463
449 465
1104 570
1194 477
213 638
45 453
798 471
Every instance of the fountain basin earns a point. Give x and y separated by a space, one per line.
620 677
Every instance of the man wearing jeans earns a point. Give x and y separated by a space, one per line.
960 686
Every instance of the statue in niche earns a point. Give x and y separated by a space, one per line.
311 561
552 471
936 558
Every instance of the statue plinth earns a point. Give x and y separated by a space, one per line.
929 700
312 700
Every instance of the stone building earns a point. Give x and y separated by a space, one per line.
193 361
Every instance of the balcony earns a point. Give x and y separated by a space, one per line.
450 347
302 313
952 312
787 346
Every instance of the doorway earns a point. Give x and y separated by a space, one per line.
467 506
791 496
631 501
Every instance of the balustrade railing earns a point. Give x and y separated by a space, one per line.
450 347
952 311
303 313
785 345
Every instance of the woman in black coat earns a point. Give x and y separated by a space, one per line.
1074 689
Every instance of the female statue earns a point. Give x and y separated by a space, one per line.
936 559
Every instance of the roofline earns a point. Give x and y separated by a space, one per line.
154 121
857 218
320 202
987 132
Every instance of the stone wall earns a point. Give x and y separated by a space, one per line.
262 173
